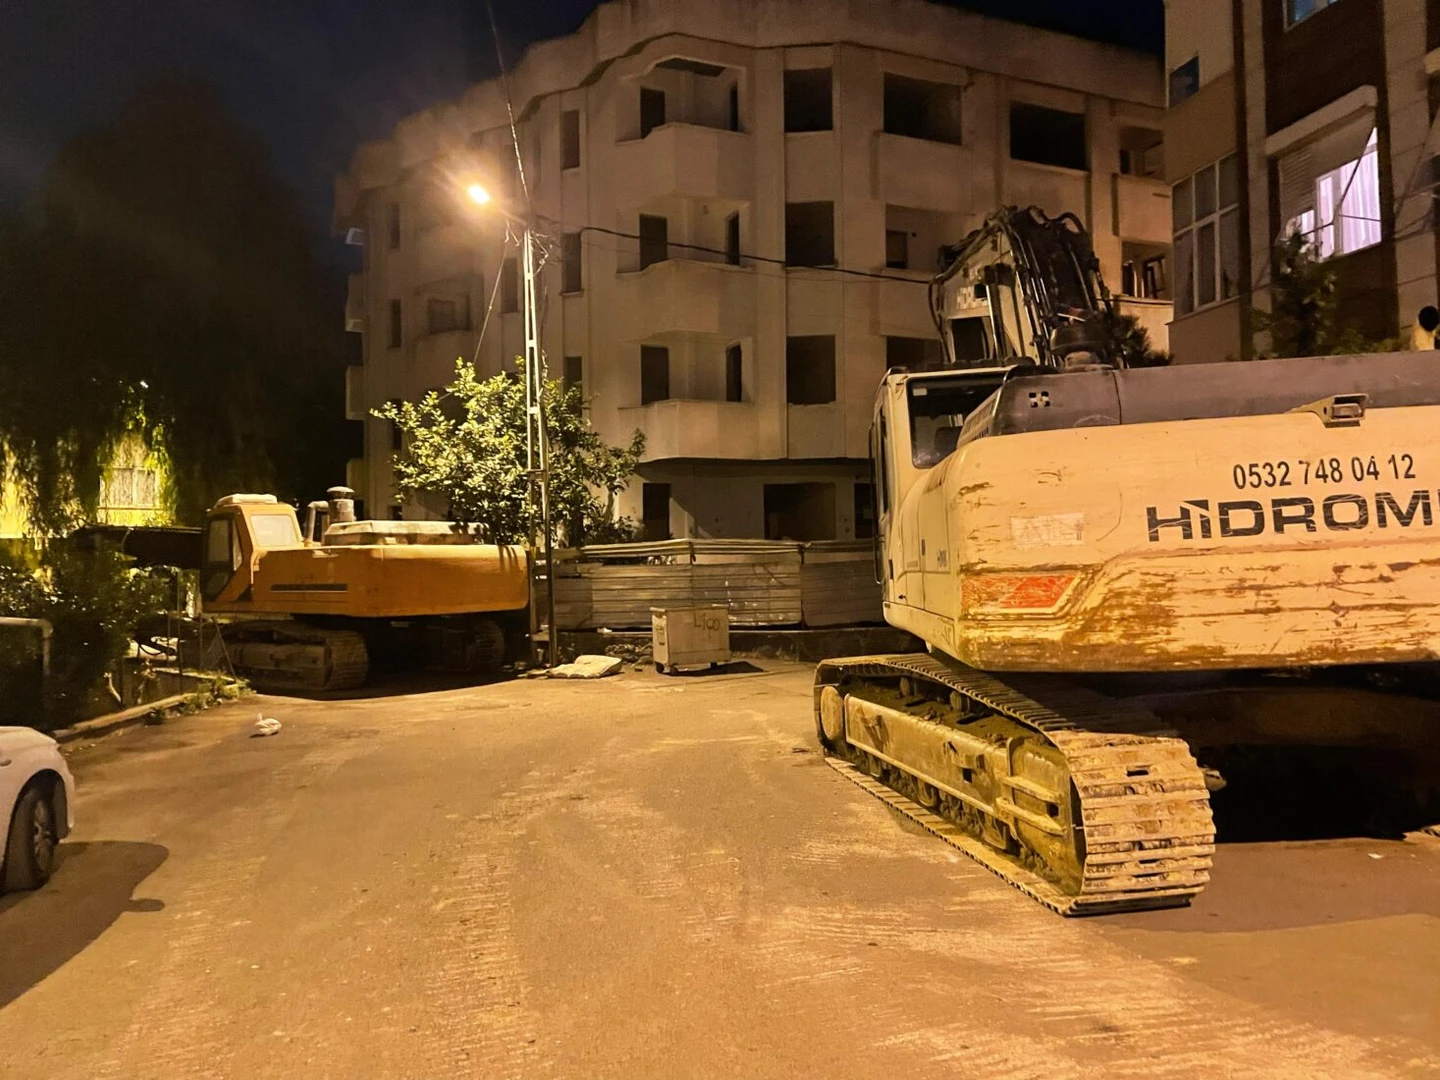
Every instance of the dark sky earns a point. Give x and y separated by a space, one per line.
317 76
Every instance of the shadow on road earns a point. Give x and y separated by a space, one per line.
93 885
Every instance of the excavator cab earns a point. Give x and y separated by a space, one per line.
238 528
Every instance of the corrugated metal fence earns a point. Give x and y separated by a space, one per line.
762 582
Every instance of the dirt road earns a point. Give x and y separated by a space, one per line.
650 877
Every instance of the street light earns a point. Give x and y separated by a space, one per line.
537 445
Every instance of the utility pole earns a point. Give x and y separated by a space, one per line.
537 443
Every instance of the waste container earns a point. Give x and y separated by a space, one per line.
697 636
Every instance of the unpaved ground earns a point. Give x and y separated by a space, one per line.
650 877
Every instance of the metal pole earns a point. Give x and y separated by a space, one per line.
537 448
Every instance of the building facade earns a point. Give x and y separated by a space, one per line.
1314 116
743 203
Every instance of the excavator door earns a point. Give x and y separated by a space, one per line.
223 556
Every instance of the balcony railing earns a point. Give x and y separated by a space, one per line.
682 428
687 296
687 159
1142 209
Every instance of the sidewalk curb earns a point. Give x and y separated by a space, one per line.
103 725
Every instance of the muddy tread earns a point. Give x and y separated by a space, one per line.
1144 808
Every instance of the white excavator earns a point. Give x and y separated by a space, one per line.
1115 568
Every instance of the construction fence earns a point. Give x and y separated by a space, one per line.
763 582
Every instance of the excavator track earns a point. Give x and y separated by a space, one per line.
983 763
282 656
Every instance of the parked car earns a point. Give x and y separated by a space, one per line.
35 796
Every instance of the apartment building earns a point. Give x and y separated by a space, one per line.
1314 116
743 202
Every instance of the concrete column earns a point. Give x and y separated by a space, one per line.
1104 137
1409 116
1263 231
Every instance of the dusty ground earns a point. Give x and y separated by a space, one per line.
650 877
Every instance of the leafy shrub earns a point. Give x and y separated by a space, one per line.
94 601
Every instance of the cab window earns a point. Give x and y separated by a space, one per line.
938 408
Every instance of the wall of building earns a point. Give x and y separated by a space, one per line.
696 172
1199 28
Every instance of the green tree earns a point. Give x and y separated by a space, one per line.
466 445
166 285
1301 320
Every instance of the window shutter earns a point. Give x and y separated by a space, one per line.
1297 185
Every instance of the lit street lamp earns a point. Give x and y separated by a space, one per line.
537 446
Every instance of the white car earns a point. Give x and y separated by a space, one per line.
35 795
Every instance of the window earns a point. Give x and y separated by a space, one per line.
1185 81
574 373
654 240
807 100
570 263
130 488
864 511
732 239
922 110
1343 214
734 373
509 286
1207 237
1300 10
800 512
654 373
913 353
897 249
652 110
735 108
274 530
655 511
810 234
397 327
1141 152
392 227
1047 136
444 314
397 437
810 370
570 139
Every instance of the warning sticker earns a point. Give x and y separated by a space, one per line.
1048 530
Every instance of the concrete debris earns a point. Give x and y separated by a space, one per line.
266 725
638 654
588 667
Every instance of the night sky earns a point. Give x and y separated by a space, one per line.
315 77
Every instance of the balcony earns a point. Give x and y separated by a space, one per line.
689 160
1054 189
444 252
686 296
355 304
921 174
1142 209
680 428
435 356
354 392
816 431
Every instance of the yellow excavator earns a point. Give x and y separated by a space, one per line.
1101 558
309 610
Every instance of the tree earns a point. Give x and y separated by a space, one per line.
1131 341
1301 319
466 445
167 287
